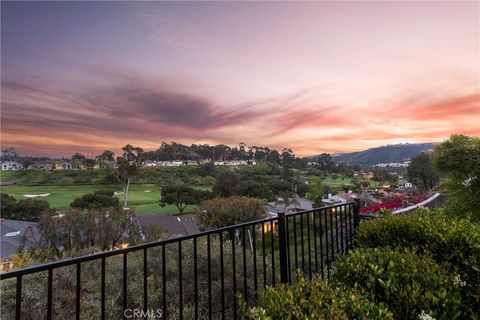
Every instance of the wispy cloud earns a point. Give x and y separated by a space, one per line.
179 35
123 107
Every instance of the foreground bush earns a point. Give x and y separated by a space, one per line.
407 283
314 300
451 241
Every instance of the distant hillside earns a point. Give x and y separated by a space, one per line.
385 154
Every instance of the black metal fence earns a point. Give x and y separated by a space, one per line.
193 277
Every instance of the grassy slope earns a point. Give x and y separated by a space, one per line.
61 196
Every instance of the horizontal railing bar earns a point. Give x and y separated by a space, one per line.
99 255
318 209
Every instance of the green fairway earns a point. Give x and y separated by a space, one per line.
339 181
143 198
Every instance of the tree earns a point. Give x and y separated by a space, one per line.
78 229
251 188
25 209
127 168
273 157
96 200
459 159
226 184
90 163
360 187
105 157
78 159
9 154
422 173
26 162
182 195
8 206
315 191
221 212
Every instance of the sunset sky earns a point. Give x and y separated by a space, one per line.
315 77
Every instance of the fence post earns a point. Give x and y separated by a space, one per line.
282 243
356 212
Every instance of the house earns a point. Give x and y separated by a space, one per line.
348 196
62 165
178 225
44 166
11 165
294 205
16 235
149 163
333 200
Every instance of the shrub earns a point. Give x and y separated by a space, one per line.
407 283
314 300
25 209
96 200
221 212
452 241
207 180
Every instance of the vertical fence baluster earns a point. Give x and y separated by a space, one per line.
272 238
309 247
180 280
282 244
125 270
295 241
102 294
302 243
321 243
49 294
164 283
77 291
287 227
234 269
18 298
337 242
342 227
326 243
255 282
356 217
209 267
222 280
145 278
244 253
195 276
332 238
351 226
315 241
264 257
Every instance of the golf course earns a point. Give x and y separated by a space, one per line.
143 198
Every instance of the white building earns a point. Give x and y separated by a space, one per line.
11 165
408 185
333 200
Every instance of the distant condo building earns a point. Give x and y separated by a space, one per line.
393 164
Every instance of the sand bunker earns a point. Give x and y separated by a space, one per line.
148 191
36 195
117 193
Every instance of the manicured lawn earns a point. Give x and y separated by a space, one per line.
143 198
339 181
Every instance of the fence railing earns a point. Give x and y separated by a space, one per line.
198 276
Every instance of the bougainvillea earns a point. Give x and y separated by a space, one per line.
393 204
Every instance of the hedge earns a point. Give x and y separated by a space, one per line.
455 243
